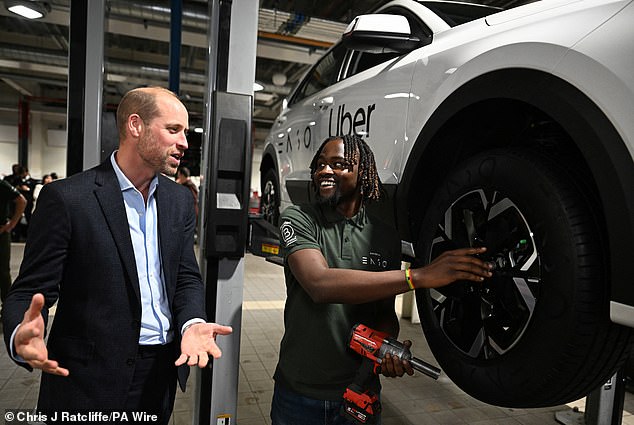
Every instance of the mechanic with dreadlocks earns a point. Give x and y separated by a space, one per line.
342 267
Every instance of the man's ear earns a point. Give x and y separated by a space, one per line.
135 125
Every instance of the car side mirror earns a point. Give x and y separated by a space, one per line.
380 33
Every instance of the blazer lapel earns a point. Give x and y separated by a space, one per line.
110 198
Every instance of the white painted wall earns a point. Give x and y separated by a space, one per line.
44 156
8 148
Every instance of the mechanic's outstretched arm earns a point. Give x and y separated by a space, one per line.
28 341
329 285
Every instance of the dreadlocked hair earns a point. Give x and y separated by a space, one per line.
356 151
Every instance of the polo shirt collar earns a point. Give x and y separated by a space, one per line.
332 216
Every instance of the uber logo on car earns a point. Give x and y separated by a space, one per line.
346 124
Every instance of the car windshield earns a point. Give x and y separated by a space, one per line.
457 13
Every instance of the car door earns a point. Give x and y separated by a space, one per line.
371 100
297 133
371 103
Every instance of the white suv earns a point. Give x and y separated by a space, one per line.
510 129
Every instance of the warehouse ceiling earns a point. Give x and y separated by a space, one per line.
292 34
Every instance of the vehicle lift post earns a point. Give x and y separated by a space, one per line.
604 406
226 167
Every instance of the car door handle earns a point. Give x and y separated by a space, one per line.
324 103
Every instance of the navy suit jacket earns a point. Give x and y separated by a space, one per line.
79 253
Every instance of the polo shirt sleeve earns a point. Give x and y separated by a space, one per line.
298 230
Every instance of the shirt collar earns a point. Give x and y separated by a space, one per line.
126 184
333 216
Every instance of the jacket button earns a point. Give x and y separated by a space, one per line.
130 362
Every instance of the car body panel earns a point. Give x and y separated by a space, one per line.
587 45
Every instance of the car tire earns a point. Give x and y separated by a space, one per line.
538 332
270 200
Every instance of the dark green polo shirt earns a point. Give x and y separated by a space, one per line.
314 356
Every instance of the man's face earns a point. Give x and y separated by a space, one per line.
163 142
335 179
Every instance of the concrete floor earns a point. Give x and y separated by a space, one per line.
406 401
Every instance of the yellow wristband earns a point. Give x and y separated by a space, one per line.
408 278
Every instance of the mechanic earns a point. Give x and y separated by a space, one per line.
342 266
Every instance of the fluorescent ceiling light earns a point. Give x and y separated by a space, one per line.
25 11
198 130
31 9
257 86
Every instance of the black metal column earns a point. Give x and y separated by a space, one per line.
85 85
176 23
23 132
76 87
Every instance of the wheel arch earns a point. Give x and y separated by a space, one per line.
269 161
527 107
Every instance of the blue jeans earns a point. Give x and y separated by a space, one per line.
291 408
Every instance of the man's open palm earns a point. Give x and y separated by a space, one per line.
29 340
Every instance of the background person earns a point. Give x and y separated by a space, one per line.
183 176
20 179
114 247
46 179
342 267
12 205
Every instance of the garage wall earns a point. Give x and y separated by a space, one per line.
46 154
47 149
8 148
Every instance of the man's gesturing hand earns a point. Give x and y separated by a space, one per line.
459 264
29 340
199 340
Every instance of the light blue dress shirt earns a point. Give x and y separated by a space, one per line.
156 319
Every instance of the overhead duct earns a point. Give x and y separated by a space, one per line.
115 71
193 16
268 20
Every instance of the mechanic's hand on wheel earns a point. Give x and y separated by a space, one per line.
450 266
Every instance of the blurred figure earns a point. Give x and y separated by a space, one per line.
183 176
12 205
36 191
14 178
20 180
26 189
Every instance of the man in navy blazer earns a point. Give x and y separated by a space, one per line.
113 246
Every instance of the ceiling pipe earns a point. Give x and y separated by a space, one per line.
193 16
